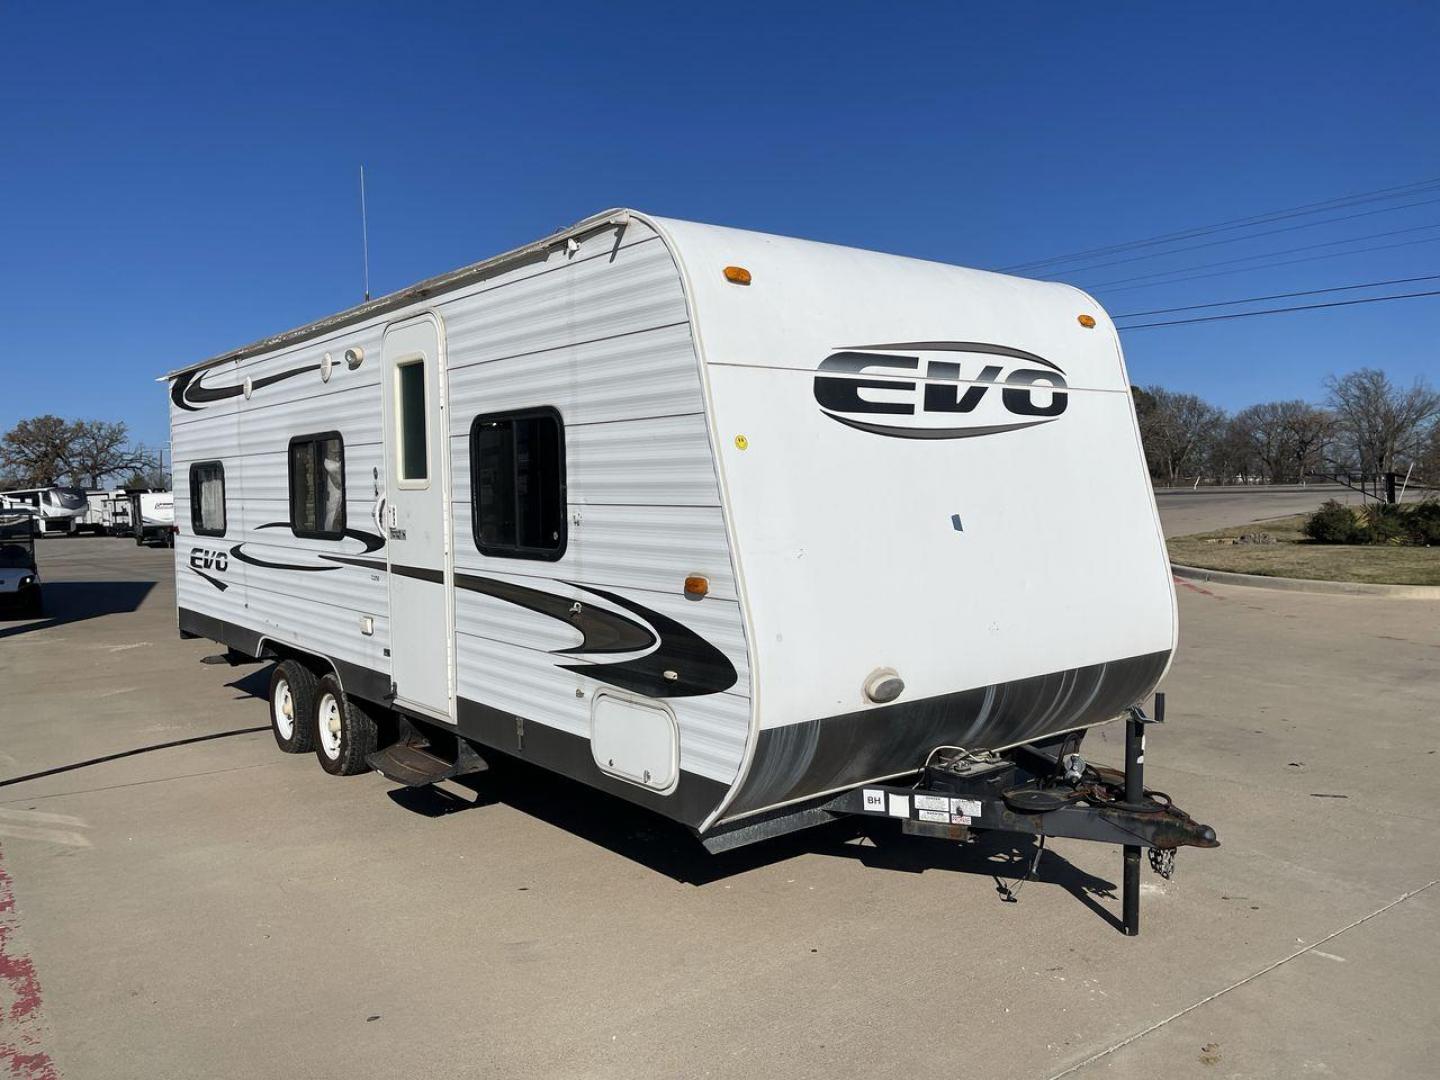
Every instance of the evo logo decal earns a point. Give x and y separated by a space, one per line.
1004 389
216 560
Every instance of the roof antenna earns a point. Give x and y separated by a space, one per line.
364 234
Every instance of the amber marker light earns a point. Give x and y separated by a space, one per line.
737 275
696 586
1087 321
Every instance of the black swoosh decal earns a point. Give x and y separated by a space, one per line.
189 392
601 631
371 541
930 433
221 585
419 573
369 564
962 346
235 552
699 667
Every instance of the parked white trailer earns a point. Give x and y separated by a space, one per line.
151 516
728 524
57 509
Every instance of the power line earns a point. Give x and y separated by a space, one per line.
1268 266
1248 236
1279 311
1279 296
1379 195
1268 254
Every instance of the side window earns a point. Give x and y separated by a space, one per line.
207 498
517 466
317 486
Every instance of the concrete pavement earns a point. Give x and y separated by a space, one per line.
219 909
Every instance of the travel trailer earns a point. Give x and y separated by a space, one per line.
151 517
57 509
752 531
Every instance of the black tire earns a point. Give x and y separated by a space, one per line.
342 752
36 605
294 678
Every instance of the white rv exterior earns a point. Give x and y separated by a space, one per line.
891 475
57 509
151 516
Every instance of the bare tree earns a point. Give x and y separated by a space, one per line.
1379 422
99 449
1179 432
1285 437
1230 455
44 449
1308 431
35 452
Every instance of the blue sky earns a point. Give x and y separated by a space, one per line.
176 180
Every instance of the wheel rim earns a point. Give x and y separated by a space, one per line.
283 709
329 717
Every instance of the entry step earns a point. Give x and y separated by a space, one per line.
416 766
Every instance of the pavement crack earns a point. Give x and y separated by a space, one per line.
1242 982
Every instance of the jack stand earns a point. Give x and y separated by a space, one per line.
1134 795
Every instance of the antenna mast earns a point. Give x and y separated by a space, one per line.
364 233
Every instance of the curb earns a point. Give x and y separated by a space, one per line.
1333 588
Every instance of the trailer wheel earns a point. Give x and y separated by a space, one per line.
292 706
345 732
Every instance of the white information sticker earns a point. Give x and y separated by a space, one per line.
933 815
931 802
966 807
959 819
899 805
874 800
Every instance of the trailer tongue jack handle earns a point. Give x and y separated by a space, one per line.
1045 790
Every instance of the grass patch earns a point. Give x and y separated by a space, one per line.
1295 555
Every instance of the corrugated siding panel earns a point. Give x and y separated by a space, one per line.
603 337
644 375
660 461
649 548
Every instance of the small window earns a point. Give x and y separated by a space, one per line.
411 418
207 498
317 486
517 461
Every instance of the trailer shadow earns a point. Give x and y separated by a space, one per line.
670 849
76 601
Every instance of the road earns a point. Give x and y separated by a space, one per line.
218 909
1184 511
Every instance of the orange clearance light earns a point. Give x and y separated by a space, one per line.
737 275
696 586
1087 321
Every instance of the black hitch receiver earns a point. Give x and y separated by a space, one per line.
1033 791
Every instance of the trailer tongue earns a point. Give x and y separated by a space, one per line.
1042 789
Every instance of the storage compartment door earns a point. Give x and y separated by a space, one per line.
635 740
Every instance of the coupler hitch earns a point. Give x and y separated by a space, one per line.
1046 789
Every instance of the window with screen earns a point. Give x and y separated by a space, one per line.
410 413
517 468
207 498
317 486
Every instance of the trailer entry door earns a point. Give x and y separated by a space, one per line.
417 516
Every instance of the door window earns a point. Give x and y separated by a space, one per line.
411 418
517 462
317 486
